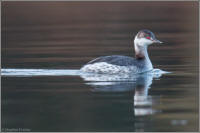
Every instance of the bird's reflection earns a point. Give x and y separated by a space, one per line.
140 84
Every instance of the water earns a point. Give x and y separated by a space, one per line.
38 72
44 47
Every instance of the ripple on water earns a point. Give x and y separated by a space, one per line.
156 73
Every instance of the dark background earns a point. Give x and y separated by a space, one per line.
69 34
66 35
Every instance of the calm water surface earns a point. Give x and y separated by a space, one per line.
66 35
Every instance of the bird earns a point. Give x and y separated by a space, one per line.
119 64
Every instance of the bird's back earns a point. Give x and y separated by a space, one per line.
114 64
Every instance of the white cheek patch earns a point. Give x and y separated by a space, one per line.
142 41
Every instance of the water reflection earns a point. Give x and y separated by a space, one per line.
139 84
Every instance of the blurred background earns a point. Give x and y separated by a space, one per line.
66 35
69 34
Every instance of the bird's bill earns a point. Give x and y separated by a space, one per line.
157 41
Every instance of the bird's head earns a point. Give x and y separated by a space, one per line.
145 38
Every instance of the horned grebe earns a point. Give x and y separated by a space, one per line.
117 64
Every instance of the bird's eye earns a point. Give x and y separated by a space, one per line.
148 37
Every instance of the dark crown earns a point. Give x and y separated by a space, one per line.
145 33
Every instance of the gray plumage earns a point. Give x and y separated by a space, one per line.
119 60
116 64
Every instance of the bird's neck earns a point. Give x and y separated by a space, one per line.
141 53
